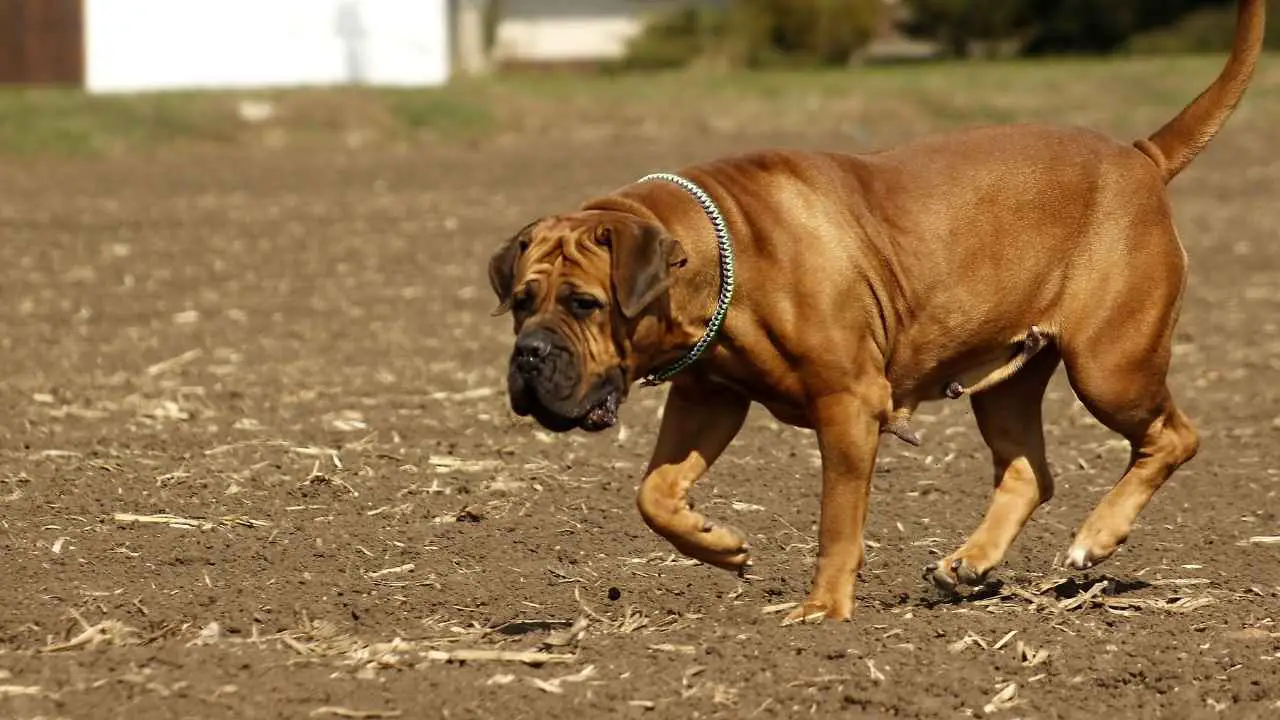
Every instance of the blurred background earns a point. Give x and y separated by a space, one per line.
453 55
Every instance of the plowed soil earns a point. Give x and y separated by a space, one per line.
256 462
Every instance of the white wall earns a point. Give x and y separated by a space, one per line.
140 45
567 30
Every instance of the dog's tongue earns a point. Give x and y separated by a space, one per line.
603 414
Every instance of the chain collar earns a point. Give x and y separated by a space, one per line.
725 243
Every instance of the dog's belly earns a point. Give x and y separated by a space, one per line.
790 414
929 376
923 370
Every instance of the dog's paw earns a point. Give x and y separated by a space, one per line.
722 546
1092 548
817 610
951 574
1078 559
1083 557
697 537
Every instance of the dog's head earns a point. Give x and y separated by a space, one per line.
580 288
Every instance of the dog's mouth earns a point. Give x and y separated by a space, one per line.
598 412
603 414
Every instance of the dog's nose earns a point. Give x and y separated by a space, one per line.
531 350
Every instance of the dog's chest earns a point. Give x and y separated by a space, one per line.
781 407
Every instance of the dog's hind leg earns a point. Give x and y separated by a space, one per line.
1009 419
1118 364
1134 401
697 425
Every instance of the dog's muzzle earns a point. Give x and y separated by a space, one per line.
543 381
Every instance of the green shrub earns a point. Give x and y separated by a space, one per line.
1049 27
758 33
679 37
959 25
1207 30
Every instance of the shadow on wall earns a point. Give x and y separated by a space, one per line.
352 31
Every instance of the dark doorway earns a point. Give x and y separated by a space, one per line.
42 42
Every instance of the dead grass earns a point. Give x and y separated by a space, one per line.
90 637
1062 596
860 103
186 523
528 643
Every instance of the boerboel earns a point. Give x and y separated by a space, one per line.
842 291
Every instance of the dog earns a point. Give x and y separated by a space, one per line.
842 291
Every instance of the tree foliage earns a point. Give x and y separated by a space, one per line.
1040 27
758 33
959 24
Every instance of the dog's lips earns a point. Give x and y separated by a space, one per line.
602 415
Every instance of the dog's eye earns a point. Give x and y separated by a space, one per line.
522 303
584 305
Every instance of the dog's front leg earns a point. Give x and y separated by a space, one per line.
698 423
848 428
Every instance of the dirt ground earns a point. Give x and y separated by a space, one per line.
256 462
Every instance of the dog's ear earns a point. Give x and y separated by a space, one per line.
642 256
502 267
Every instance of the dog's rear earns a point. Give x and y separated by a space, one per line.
1123 273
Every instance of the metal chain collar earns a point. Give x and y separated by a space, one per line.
725 243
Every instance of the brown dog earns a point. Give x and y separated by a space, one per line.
967 264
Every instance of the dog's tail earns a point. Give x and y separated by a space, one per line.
1175 145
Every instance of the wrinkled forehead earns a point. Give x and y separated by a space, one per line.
563 246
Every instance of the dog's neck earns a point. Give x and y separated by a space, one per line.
694 291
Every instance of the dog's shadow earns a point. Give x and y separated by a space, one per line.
519 628
1064 590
